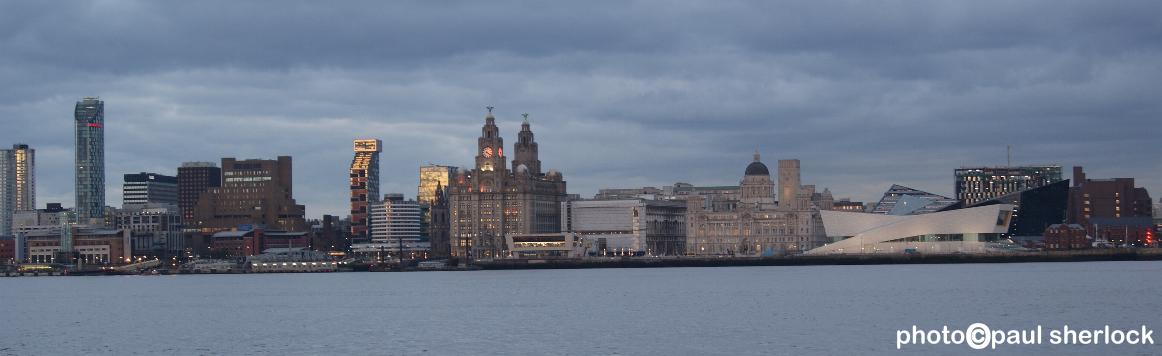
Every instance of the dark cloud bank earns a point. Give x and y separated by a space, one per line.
866 94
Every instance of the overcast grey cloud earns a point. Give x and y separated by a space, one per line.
621 94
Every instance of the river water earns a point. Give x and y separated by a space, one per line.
659 311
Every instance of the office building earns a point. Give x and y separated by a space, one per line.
254 193
627 227
432 176
845 204
145 188
17 183
395 219
77 245
155 229
364 182
194 178
491 200
39 220
90 160
1106 198
976 184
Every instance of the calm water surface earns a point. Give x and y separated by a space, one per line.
663 311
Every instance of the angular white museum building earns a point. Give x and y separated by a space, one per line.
972 230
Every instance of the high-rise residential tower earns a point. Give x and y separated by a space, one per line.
194 178
90 159
364 180
142 188
17 184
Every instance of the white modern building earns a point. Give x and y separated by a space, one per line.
971 230
627 226
395 219
395 227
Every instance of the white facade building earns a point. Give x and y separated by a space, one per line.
395 219
971 230
627 226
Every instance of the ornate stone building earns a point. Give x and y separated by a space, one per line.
491 200
753 223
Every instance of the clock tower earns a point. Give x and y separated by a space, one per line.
490 162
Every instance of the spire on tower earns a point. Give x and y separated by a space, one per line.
756 155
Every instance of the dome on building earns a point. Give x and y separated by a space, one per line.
757 168
522 168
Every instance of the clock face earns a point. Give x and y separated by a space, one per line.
487 152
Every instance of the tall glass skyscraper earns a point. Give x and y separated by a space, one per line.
90 185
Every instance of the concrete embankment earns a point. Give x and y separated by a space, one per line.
1144 254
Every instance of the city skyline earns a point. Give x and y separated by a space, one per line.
891 106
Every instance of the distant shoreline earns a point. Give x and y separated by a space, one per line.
1138 254
1094 255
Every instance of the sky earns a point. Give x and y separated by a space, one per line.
620 94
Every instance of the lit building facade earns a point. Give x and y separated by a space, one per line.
144 188
753 223
364 181
845 204
491 201
17 184
1106 198
90 159
432 176
976 184
81 245
194 178
255 192
155 229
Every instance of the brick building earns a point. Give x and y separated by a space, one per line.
1066 237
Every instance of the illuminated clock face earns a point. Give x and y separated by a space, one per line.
487 152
